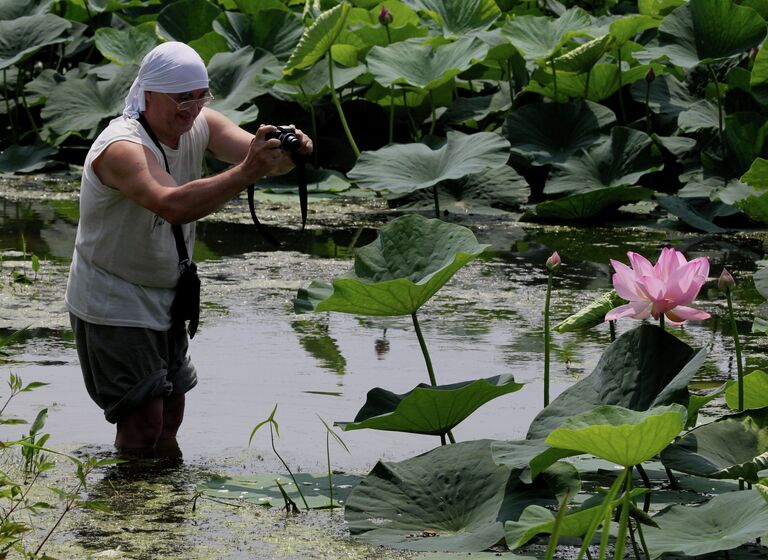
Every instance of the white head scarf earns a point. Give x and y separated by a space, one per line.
171 67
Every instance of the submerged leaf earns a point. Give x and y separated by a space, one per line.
426 409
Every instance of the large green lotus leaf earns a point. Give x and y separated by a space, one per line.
725 522
421 66
584 205
426 409
758 78
451 499
583 57
24 36
460 17
734 446
625 28
318 39
315 83
541 37
185 20
667 95
657 8
263 489
476 108
643 368
275 30
546 133
236 79
705 31
14 9
753 199
755 391
125 46
621 160
620 435
496 191
591 315
697 212
410 260
403 168
81 104
25 159
702 115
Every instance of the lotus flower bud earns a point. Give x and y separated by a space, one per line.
650 75
385 16
726 281
553 262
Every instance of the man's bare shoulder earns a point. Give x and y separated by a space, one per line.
120 161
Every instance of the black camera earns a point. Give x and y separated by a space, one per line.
288 140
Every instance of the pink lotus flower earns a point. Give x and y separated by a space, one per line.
661 289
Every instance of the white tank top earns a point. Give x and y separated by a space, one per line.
125 264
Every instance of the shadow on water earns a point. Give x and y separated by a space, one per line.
253 352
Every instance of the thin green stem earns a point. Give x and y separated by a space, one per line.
621 96
737 346
428 361
295 482
546 338
719 109
554 75
436 200
642 540
621 538
433 113
586 84
424 351
555 536
604 515
612 329
647 483
339 109
313 120
661 321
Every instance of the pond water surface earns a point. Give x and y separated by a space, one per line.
253 352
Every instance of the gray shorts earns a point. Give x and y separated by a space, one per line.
126 367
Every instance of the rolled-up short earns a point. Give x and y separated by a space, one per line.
126 367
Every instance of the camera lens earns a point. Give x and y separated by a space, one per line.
290 143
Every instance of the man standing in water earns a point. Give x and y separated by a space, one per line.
126 266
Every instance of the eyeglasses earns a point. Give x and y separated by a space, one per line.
190 103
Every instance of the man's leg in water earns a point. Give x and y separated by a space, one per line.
151 425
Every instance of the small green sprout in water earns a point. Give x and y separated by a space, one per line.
272 422
328 433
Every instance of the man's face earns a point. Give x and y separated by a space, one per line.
179 110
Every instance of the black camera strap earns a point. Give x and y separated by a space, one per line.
178 235
186 266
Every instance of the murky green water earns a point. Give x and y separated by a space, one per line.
253 352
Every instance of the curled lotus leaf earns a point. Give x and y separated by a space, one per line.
412 258
591 315
732 447
620 435
426 409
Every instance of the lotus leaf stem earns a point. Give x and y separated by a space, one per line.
604 517
339 109
313 118
432 112
547 337
648 126
621 538
621 97
719 109
612 329
554 75
430 370
552 545
737 346
647 483
436 200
